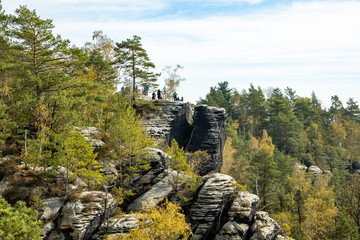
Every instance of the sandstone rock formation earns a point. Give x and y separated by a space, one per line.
83 216
201 129
168 120
315 170
218 210
208 135
92 134
210 203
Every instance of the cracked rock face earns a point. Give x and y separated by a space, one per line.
115 225
210 203
208 135
81 217
51 207
158 162
233 231
243 208
170 120
265 227
203 129
157 193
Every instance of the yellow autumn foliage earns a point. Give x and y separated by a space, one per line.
164 222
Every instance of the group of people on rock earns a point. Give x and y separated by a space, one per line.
158 94
176 98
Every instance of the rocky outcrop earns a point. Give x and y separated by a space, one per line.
117 226
210 203
168 120
218 210
201 129
235 217
246 223
243 208
92 134
315 170
50 208
208 135
81 217
265 227
157 193
158 162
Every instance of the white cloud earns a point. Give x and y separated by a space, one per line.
310 46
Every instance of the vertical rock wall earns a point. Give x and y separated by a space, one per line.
208 135
168 120
201 129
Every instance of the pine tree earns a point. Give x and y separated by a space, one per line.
128 140
135 64
78 157
255 103
45 56
18 222
352 110
262 170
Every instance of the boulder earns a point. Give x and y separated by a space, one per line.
6 159
211 201
265 228
82 216
46 229
233 231
208 135
97 144
117 225
240 215
56 235
158 162
243 208
90 134
50 208
315 170
89 131
158 192
4 185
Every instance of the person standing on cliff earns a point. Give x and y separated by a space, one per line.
159 94
153 96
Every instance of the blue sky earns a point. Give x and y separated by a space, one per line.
305 45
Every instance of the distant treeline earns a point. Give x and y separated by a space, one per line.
267 136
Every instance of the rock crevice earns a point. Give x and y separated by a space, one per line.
200 129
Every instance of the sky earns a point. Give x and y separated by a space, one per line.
305 45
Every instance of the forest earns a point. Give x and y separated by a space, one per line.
48 88
49 91
270 133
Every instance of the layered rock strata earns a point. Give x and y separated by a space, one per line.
200 129
208 135
218 210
